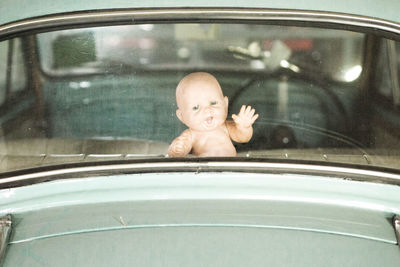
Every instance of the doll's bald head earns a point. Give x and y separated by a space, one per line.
195 82
201 104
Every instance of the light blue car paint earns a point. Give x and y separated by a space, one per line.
11 10
324 207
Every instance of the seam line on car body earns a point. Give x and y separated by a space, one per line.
147 226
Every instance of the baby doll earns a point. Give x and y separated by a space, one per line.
203 108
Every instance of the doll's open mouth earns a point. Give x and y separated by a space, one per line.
209 120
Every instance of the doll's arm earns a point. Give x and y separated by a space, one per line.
240 129
181 145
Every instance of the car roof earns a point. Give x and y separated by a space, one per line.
15 10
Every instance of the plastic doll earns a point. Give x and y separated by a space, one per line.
203 108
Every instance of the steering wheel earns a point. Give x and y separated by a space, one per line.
282 134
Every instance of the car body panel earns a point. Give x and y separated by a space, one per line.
11 10
200 246
285 210
95 202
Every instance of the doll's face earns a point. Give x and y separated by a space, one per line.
201 104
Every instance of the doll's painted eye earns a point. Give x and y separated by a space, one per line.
213 103
195 108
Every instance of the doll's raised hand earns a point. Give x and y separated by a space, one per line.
240 129
245 118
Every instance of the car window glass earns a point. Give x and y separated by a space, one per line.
108 93
18 71
3 70
383 77
218 46
396 92
397 48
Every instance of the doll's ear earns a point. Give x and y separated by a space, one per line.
226 100
179 114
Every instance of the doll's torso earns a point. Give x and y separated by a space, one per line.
216 143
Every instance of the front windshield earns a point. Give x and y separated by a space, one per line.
108 93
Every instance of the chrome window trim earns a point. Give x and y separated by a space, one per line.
5 232
106 169
137 16
396 226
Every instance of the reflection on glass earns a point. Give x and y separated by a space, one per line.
108 93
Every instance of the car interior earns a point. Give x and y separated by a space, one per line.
102 93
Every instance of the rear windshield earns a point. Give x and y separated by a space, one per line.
109 93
